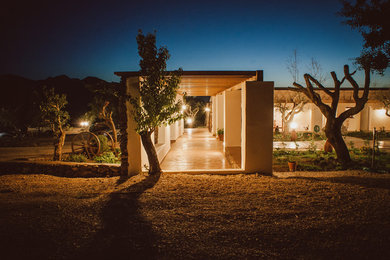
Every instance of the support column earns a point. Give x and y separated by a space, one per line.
133 138
316 117
213 115
220 111
365 118
257 126
232 119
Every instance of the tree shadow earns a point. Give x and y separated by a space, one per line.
125 233
367 182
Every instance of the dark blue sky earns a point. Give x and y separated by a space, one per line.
96 38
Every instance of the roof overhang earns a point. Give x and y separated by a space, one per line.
205 83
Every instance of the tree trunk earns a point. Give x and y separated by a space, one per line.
58 144
333 133
114 132
154 165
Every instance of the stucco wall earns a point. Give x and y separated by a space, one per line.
232 118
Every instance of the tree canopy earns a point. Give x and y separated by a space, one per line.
371 18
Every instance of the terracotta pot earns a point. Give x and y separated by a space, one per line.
328 147
292 166
220 137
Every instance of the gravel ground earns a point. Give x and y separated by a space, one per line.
306 215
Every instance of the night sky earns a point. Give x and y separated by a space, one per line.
95 38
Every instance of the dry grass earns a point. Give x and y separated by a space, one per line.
313 215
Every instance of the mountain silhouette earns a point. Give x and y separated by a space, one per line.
17 91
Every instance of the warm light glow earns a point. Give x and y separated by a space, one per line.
381 112
207 109
293 125
84 124
189 120
183 107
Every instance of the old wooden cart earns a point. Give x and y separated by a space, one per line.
90 144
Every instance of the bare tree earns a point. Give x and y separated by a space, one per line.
315 69
334 122
289 106
293 66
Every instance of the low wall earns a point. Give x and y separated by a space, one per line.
61 169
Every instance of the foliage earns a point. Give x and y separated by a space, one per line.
54 115
305 136
289 106
104 146
371 19
107 157
105 105
195 110
52 110
320 161
220 131
158 89
368 135
76 157
384 98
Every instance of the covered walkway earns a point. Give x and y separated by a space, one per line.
197 149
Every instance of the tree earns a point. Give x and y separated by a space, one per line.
156 105
292 65
289 106
105 105
334 122
371 18
53 114
385 99
195 110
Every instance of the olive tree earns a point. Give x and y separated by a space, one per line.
53 114
333 122
156 105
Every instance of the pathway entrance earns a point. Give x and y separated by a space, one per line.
197 149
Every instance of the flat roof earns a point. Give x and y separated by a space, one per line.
204 83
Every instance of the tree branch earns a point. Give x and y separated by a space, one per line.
327 91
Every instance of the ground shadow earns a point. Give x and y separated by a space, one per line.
367 182
125 233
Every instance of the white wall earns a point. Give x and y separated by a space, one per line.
232 118
220 110
378 119
214 115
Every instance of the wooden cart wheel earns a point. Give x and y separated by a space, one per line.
110 141
86 142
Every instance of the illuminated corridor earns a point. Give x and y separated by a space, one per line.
197 149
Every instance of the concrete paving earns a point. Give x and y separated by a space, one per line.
197 149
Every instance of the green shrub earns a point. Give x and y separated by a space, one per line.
104 146
107 157
76 157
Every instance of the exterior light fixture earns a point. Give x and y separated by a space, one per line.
189 121
381 112
84 124
207 109
183 107
293 125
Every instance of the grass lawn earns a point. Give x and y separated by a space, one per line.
311 215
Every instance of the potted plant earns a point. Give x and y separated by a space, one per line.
292 165
220 133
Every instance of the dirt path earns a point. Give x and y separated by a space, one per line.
313 215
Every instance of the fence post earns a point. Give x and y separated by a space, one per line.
373 147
